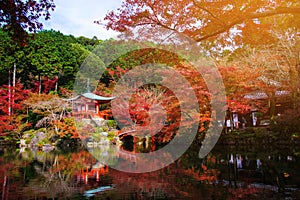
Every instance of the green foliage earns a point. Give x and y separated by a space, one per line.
96 137
91 68
9 55
112 124
111 136
88 43
33 117
44 141
105 129
46 54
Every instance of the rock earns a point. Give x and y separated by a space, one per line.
90 144
23 143
26 136
105 134
39 136
103 141
99 121
47 148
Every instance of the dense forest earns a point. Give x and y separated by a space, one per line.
43 69
47 55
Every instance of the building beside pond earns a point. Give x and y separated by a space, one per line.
265 105
88 105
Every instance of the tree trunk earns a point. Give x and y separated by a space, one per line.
13 91
272 105
4 187
56 86
40 84
9 94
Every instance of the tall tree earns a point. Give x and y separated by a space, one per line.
228 22
11 54
50 54
12 125
272 69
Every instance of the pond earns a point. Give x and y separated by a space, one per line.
226 173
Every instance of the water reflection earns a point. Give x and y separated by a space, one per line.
32 174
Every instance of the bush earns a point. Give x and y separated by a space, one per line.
288 122
96 137
111 135
112 124
99 129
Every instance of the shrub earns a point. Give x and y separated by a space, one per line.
288 122
111 123
105 129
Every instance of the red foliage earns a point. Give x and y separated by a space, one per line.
67 128
46 84
65 92
5 124
149 103
11 105
49 84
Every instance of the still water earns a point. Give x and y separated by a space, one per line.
226 173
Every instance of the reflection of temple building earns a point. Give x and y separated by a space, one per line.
94 173
89 105
127 155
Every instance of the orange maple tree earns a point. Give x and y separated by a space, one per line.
67 128
205 21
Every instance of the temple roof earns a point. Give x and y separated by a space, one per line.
92 96
263 95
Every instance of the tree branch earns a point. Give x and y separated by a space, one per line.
206 10
281 10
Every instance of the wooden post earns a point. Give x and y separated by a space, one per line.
4 187
97 175
153 143
86 110
97 108
134 144
40 84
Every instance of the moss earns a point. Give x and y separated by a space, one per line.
31 133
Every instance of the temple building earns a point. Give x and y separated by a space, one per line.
89 105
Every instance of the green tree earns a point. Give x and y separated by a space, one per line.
11 53
91 69
48 54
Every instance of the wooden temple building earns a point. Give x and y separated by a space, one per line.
89 105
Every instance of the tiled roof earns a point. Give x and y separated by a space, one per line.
263 95
92 96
